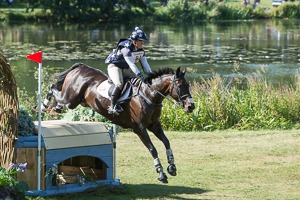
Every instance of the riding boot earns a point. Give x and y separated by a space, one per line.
114 107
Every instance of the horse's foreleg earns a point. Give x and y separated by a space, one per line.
143 135
171 168
159 133
160 170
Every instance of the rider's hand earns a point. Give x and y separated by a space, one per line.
141 76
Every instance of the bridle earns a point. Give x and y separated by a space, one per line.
175 85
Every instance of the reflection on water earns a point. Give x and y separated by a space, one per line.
254 45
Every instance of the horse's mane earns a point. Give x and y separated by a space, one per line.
158 73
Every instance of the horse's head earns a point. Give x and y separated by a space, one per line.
180 91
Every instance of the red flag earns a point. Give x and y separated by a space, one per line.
36 57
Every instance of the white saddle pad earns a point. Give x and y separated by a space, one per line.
103 89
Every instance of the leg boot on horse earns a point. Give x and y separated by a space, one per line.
114 107
162 177
171 168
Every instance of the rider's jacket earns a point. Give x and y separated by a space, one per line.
125 47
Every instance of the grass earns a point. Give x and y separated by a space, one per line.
211 165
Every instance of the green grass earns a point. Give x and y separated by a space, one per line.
211 165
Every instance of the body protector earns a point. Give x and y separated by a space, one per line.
125 55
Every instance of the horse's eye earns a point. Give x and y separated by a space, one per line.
178 82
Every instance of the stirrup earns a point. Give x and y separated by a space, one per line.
114 110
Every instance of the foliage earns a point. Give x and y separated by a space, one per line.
227 12
222 104
73 10
176 11
9 187
287 10
86 114
25 123
246 103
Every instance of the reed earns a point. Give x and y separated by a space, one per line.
225 104
287 10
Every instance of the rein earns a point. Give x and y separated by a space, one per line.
168 98
164 96
161 94
177 89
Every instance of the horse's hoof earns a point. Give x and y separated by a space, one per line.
172 170
163 178
55 111
36 109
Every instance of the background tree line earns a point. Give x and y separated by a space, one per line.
174 11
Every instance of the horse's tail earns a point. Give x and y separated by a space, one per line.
60 78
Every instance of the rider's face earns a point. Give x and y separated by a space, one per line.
138 43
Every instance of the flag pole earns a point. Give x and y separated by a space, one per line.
115 152
37 57
39 126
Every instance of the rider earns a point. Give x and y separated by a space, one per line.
121 64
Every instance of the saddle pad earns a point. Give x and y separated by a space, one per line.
103 89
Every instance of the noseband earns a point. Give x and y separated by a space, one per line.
175 85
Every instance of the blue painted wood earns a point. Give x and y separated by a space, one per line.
56 156
29 142
63 154
71 188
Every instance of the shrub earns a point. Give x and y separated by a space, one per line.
25 123
287 10
222 104
9 187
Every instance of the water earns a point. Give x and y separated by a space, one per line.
262 48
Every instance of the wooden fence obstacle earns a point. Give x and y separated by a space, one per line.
81 154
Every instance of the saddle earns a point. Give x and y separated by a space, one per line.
106 87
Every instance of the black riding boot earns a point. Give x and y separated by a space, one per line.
114 107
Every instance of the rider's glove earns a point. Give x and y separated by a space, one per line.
141 76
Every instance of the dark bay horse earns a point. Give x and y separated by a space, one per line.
78 85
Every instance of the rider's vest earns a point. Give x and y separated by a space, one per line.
117 58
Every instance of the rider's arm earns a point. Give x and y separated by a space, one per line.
130 62
145 64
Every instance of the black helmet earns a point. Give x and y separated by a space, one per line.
138 34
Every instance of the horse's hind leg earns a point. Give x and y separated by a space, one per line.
52 93
46 103
147 142
159 133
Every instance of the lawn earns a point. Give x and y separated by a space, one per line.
211 165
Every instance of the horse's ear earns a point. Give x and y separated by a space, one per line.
178 72
183 72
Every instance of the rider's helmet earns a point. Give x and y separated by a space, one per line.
138 34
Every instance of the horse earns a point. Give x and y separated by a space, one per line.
141 110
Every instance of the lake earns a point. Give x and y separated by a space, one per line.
267 49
